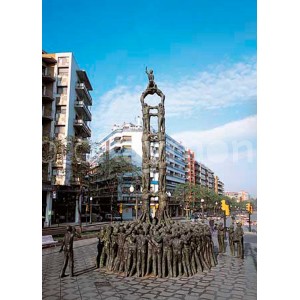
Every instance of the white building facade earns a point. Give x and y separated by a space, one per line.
126 140
71 116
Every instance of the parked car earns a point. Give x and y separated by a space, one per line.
112 217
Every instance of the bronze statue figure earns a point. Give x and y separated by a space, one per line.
67 247
100 246
231 239
221 238
239 239
151 84
141 253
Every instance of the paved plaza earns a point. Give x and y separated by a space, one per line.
231 279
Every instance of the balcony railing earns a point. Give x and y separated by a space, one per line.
47 114
83 92
47 95
80 106
85 129
48 77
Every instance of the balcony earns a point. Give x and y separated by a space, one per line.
82 108
175 178
48 77
115 143
85 145
47 96
83 92
47 114
82 127
48 59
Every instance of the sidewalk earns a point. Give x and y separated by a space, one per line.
231 279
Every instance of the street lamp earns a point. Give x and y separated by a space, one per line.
49 217
131 189
216 207
91 199
169 195
202 207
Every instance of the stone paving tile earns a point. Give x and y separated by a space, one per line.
189 297
182 292
207 296
230 279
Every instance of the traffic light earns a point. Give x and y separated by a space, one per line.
225 207
251 208
121 208
248 207
227 210
223 203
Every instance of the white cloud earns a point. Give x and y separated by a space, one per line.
219 87
229 150
244 129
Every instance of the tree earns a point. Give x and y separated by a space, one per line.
73 149
107 176
190 196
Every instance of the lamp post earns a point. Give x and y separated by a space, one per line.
202 207
49 217
169 196
131 189
91 199
216 208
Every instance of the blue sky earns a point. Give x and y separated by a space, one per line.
203 54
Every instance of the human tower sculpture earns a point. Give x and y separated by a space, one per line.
157 246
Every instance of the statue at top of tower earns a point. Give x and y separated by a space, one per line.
151 84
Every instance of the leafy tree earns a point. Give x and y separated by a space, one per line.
108 174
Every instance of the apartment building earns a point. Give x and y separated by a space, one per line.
66 103
48 116
219 186
243 196
125 140
233 195
191 166
199 174
206 177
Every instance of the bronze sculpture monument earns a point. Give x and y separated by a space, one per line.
159 245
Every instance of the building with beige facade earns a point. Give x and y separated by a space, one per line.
219 186
238 196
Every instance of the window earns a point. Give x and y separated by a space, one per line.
62 90
60 129
61 109
63 60
63 71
